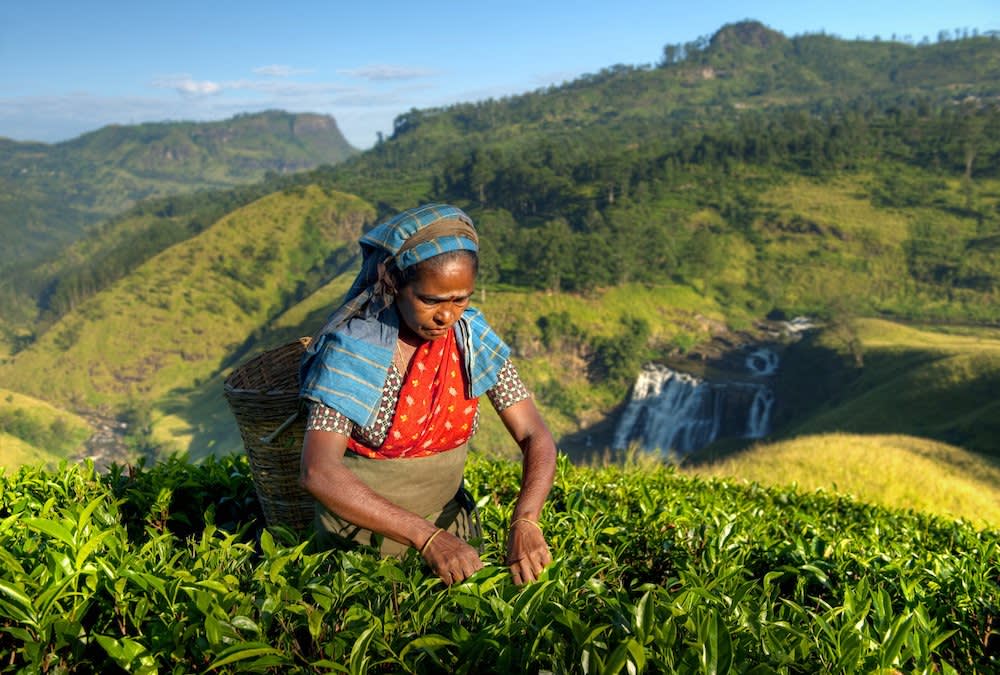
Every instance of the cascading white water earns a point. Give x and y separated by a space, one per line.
759 419
676 411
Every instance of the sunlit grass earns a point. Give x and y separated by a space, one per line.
669 309
840 202
65 431
890 470
171 322
15 453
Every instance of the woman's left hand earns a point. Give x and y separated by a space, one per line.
527 551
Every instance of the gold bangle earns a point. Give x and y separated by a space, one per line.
430 539
526 520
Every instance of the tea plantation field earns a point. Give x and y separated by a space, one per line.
167 569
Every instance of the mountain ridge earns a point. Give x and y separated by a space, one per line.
55 191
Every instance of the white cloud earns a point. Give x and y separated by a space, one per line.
382 71
188 86
277 70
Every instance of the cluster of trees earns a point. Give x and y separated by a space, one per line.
608 201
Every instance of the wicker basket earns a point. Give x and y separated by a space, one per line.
263 394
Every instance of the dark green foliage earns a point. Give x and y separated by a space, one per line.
617 359
167 569
559 331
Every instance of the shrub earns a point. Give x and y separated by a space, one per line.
168 569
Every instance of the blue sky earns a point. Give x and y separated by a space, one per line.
73 66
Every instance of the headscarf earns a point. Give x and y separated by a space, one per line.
347 362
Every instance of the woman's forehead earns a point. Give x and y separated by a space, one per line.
455 271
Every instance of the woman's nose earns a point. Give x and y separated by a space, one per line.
444 315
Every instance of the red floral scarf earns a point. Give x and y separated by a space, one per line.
432 413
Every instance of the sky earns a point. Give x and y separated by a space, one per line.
72 66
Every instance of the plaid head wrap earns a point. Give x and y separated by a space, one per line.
347 362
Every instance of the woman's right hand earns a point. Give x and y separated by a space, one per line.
451 558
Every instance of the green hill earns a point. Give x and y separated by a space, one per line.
49 194
175 319
33 432
934 383
903 472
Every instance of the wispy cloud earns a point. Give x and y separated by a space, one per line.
276 70
188 86
383 71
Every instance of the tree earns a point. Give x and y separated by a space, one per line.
547 259
617 359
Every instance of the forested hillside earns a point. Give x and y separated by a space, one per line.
626 216
175 319
672 172
49 193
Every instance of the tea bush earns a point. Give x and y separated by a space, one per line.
167 569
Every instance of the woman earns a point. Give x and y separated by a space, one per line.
392 383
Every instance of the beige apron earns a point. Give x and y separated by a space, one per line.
427 486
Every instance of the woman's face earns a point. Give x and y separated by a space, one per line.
431 304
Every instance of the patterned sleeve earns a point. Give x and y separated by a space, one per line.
322 418
509 388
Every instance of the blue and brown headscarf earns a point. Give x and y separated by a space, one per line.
347 362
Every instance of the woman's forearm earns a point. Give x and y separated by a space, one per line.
538 467
332 484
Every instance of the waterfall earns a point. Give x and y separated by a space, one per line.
759 419
675 411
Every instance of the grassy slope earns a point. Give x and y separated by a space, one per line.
173 321
896 471
832 225
872 437
71 431
198 421
15 453
920 382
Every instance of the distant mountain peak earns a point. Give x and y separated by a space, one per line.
748 33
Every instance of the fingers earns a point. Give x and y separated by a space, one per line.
526 570
452 559
527 552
